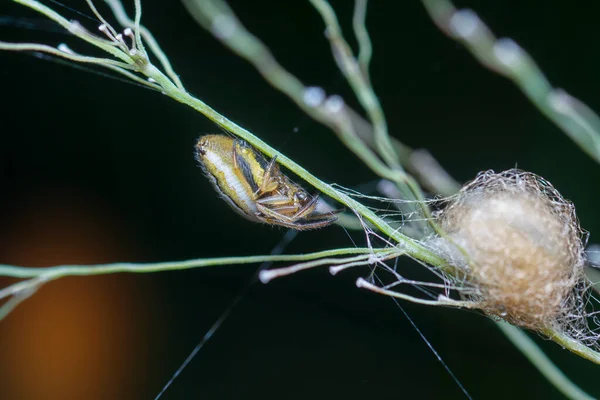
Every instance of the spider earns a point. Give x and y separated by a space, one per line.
255 187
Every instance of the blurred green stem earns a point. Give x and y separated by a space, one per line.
537 357
507 58
50 273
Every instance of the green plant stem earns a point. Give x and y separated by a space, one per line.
76 29
50 273
119 12
365 48
572 345
505 57
541 361
58 53
18 298
349 66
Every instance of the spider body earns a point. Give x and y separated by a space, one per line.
254 187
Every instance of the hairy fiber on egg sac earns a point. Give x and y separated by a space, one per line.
524 247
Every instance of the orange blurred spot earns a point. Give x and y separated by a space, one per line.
76 338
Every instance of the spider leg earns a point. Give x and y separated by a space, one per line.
301 225
282 212
269 179
317 223
269 182
329 214
318 220
299 220
275 214
308 208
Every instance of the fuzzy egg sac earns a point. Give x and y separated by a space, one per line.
521 248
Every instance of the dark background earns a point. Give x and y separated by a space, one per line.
93 170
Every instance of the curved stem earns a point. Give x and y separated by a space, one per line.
49 273
541 361
365 48
573 345
349 66
507 58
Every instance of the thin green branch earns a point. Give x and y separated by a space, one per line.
444 302
100 17
64 52
137 19
22 286
541 361
507 58
365 48
268 275
135 78
117 8
360 84
76 29
50 273
572 345
42 48
376 256
366 95
17 299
